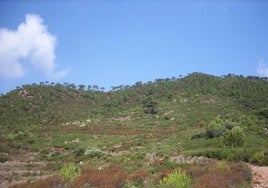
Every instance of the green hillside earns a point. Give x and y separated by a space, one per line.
154 128
59 103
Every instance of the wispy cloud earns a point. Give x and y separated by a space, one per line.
262 69
31 44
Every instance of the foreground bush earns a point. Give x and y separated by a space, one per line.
176 180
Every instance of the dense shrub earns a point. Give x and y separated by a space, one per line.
215 128
234 137
227 153
258 156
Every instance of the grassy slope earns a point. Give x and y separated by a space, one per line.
49 120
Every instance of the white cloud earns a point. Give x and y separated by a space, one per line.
262 69
31 44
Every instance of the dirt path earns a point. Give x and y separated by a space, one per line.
260 176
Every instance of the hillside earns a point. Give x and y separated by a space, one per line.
59 103
152 128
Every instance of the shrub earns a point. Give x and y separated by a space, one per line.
31 139
215 128
258 156
138 155
20 135
150 106
93 152
4 159
130 185
218 179
234 137
241 169
139 176
89 151
114 176
80 151
222 166
10 137
35 148
175 180
69 171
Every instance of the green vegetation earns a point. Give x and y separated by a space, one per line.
175 180
69 171
223 166
137 136
234 137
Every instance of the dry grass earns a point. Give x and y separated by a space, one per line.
112 177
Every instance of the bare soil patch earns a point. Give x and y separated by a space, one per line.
260 176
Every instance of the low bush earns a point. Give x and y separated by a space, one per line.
139 176
217 177
10 137
21 135
4 159
138 156
93 152
229 154
69 171
175 180
31 139
241 169
114 176
222 166
89 151
35 148
258 156
215 128
197 171
80 151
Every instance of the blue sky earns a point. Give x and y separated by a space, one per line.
110 43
